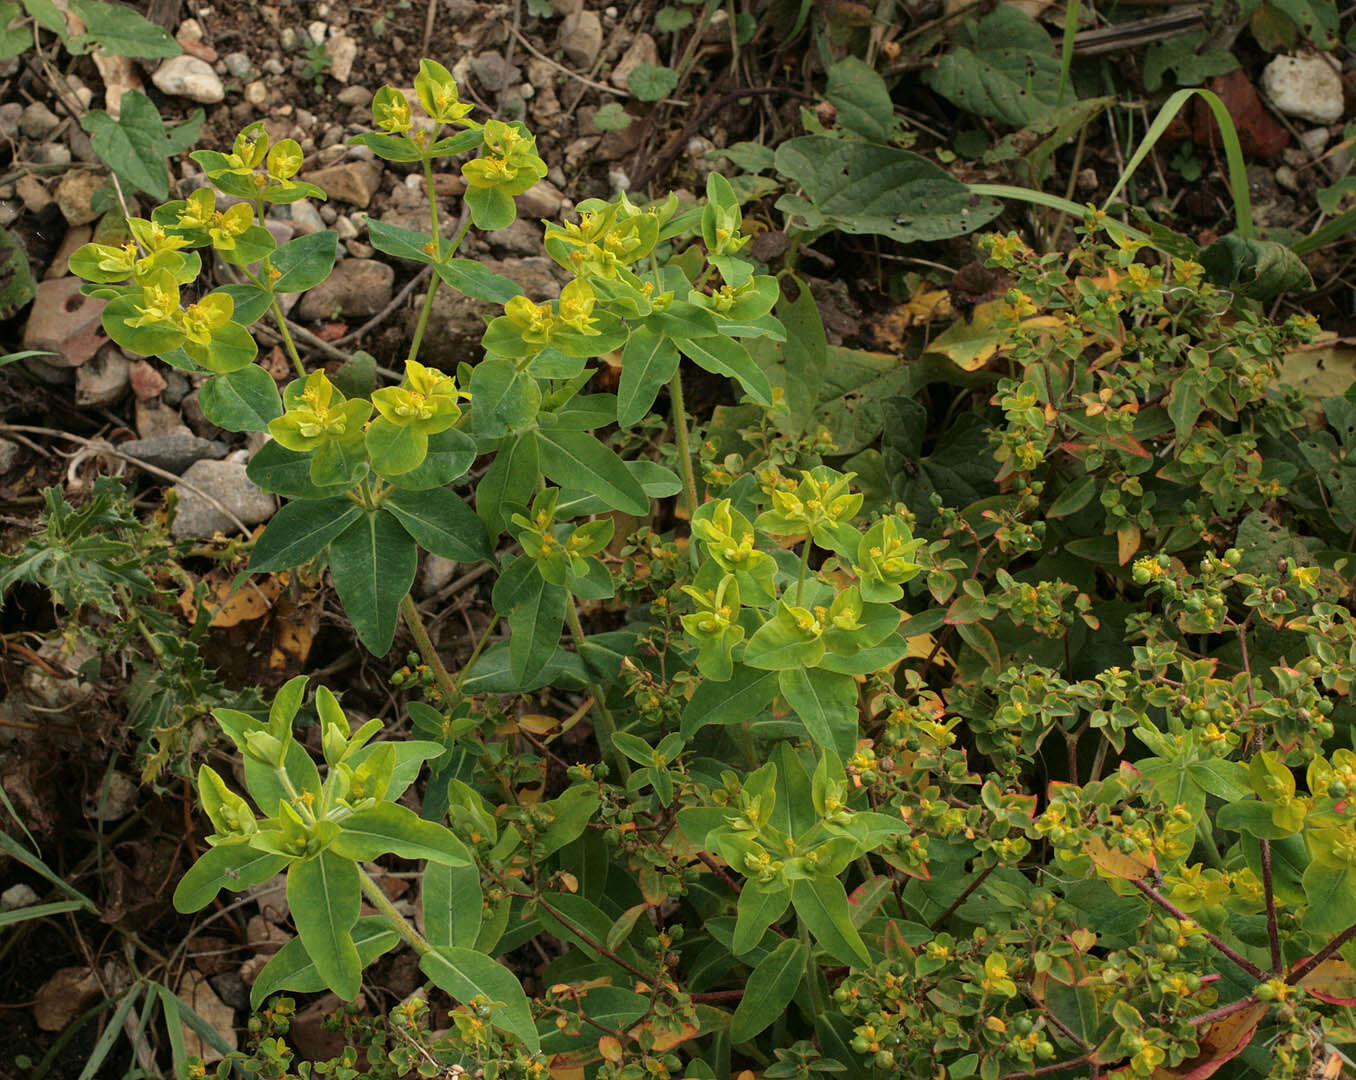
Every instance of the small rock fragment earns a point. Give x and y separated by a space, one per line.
353 182
1304 86
237 64
354 96
195 990
581 38
63 996
147 383
642 50
174 453
34 194
542 200
38 121
103 378
10 114
357 287
17 896
9 454
226 482
75 196
189 77
343 51
65 322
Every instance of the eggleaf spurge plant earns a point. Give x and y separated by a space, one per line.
828 831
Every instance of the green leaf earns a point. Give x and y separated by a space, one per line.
373 563
48 16
134 146
466 974
491 208
390 829
324 897
649 361
453 904
290 968
577 459
448 456
300 531
305 262
759 907
508 485
769 989
442 523
725 356
1258 269
748 692
281 471
39 911
504 398
244 400
612 117
251 302
400 242
823 905
226 866
1074 497
119 31
651 82
476 281
395 449
826 704
536 614
861 188
1003 67
861 98
231 348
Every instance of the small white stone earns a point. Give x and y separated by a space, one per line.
17 896
187 76
1304 86
1285 178
316 31
617 178
1314 140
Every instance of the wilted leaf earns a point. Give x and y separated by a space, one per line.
1116 863
972 345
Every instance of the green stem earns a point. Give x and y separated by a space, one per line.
410 612
804 569
286 333
604 726
684 451
399 923
433 209
811 971
475 653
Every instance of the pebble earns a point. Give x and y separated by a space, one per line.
147 383
344 226
353 182
9 454
51 154
488 71
306 218
581 38
155 418
38 121
226 482
65 322
1314 140
1304 86
189 77
642 50
10 113
237 64
256 93
273 66
343 51
75 238
317 32
357 287
174 453
75 196
353 96
287 39
103 378
437 572
34 194
17 896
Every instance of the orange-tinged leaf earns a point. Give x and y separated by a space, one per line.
1333 981
536 724
972 345
610 1048
1223 1041
294 628
667 1040
251 601
1127 543
567 1067
1116 863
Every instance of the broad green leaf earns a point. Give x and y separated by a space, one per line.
324 897
120 31
305 262
290 968
823 905
448 456
726 356
244 400
453 904
508 485
759 907
747 693
1003 67
826 704
504 398
657 481
400 242
226 866
536 615
251 302
651 82
390 829
491 208
287 472
472 279
861 98
394 449
230 349
442 523
769 989
649 361
134 146
373 563
465 974
861 188
577 459
300 531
